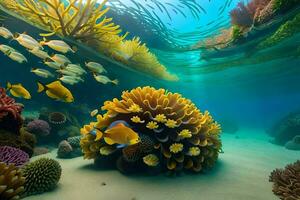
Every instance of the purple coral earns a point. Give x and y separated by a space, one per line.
11 155
39 127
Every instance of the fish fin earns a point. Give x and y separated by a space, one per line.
108 141
116 81
47 35
12 92
41 87
119 146
51 95
8 85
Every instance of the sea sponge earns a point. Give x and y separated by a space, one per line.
286 182
10 113
38 127
11 155
11 182
41 175
180 135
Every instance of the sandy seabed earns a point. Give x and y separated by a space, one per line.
241 173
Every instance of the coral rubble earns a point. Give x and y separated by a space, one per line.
41 175
11 182
286 182
86 23
175 135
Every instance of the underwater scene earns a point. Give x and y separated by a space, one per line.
150 99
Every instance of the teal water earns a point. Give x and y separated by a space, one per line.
248 93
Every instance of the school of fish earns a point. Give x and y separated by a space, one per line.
58 66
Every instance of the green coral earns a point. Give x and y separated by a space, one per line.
41 176
236 33
286 30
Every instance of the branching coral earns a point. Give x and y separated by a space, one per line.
86 22
11 182
11 155
181 136
287 182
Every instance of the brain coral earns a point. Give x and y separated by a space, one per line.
182 137
287 182
11 182
41 175
11 155
39 127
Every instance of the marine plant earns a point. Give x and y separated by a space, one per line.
11 182
41 175
11 155
175 135
286 182
86 22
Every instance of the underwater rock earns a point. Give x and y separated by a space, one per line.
38 127
11 182
25 141
41 175
294 144
169 126
286 182
10 113
11 155
64 149
286 128
40 151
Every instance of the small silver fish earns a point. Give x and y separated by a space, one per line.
104 79
6 49
39 53
4 32
66 72
27 41
61 59
18 57
57 45
53 65
95 67
41 72
69 80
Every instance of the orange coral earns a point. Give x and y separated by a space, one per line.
183 136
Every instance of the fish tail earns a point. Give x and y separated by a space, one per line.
74 49
8 85
41 87
116 81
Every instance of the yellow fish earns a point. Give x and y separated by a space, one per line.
121 134
57 91
17 90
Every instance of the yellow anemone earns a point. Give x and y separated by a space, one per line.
151 160
194 151
137 119
171 123
160 118
135 108
185 133
152 125
176 148
87 128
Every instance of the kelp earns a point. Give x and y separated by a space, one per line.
86 22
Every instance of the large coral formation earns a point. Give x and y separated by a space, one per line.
86 22
11 155
41 175
173 132
10 113
11 182
286 182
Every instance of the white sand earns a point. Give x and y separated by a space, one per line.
241 174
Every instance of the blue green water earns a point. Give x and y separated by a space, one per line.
250 95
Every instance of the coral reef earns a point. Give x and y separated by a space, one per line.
74 141
25 141
294 144
286 182
41 175
38 127
86 22
57 118
170 127
11 182
11 155
286 128
10 113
